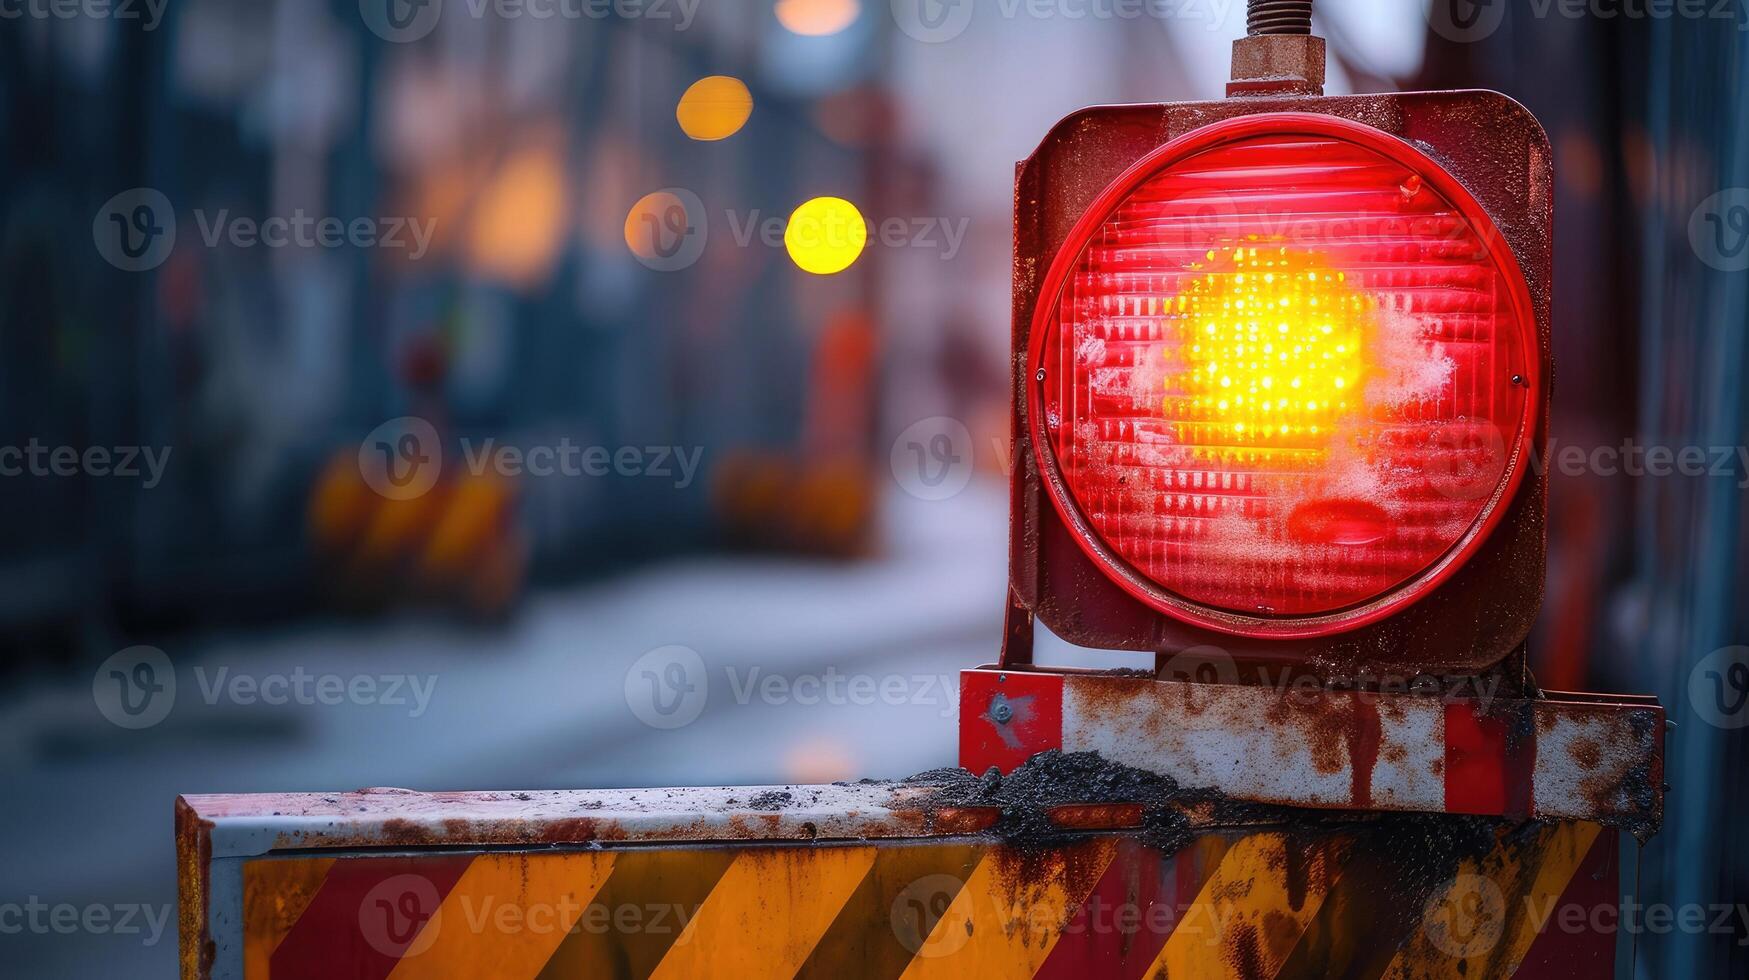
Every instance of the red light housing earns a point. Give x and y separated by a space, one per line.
1383 514
1282 372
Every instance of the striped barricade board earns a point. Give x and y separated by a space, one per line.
876 880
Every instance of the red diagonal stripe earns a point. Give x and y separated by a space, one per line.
330 940
1128 916
1578 937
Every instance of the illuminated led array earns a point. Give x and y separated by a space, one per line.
1276 349
1279 380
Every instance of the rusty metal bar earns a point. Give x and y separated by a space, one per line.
1561 757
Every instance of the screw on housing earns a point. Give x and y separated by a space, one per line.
1278 17
1279 54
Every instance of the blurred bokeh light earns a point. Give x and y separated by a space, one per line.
825 235
714 107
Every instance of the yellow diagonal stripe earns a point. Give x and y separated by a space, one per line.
1253 910
275 893
1471 931
767 913
506 915
1010 914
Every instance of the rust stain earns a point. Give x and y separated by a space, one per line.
194 859
397 830
1325 724
1363 748
1243 952
1106 816
571 830
1019 872
959 820
1587 753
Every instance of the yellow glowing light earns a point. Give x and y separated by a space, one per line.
1326 330
815 18
825 235
714 107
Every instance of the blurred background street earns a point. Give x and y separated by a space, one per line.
511 363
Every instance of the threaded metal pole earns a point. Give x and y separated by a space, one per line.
1278 17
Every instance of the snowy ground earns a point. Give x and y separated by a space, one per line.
864 656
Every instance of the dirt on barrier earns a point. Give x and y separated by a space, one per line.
1056 779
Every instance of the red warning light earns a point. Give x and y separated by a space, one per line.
1284 376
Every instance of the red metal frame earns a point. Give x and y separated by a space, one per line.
1045 322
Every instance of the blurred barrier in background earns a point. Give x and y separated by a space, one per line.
494 289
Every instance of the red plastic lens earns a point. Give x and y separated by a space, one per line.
1284 374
